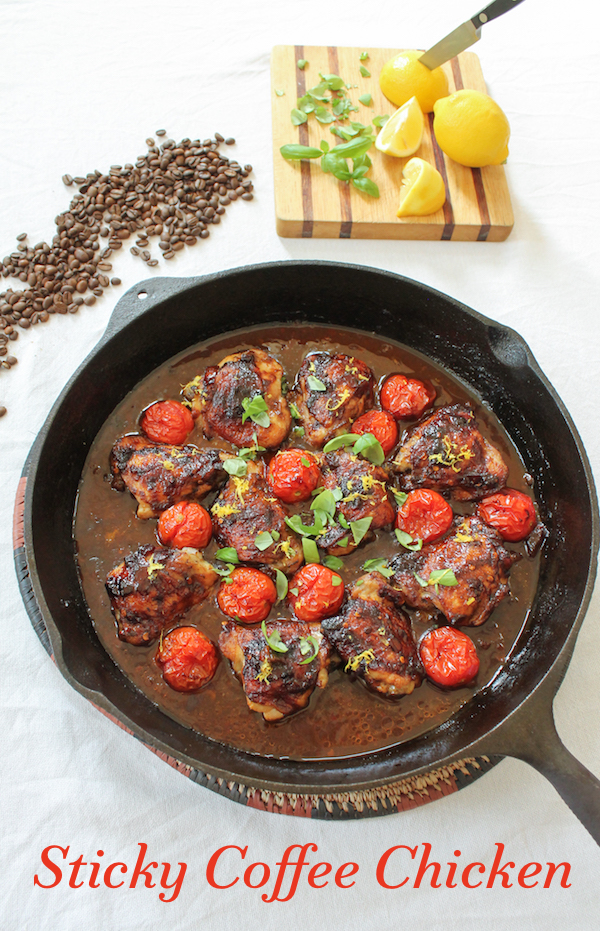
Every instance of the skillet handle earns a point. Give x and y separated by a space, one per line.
539 745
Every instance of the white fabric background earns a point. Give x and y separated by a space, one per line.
81 86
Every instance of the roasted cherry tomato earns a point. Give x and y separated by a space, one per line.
247 595
510 512
449 657
382 425
185 524
187 658
167 422
406 397
320 592
425 515
293 474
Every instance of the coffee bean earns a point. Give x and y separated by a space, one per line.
115 282
68 180
134 250
90 300
21 237
2 410
161 132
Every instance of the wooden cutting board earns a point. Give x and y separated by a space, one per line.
309 203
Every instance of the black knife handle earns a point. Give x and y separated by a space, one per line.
497 8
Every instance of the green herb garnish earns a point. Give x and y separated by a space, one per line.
237 466
279 92
298 117
366 99
263 541
302 63
378 565
333 562
274 639
281 584
256 410
364 71
408 542
437 577
364 56
345 439
400 496
228 554
315 384
306 644
369 447
293 152
360 527
311 550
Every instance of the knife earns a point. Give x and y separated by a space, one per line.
467 34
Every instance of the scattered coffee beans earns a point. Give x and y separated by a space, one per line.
173 193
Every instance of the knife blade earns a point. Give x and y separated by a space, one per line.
465 35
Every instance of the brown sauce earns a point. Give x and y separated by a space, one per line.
344 719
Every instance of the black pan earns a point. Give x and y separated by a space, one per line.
154 321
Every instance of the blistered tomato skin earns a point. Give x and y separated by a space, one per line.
382 425
185 524
320 592
425 515
449 657
510 512
187 658
293 474
167 422
405 397
247 595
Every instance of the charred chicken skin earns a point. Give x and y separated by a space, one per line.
331 391
476 557
220 398
363 494
159 476
247 507
277 684
373 636
446 452
154 586
122 452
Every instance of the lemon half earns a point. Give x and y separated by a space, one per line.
404 77
471 128
401 135
423 191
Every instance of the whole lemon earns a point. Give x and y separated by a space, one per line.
404 77
471 128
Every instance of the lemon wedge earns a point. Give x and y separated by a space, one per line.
402 134
422 190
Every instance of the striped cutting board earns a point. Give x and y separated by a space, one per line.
309 203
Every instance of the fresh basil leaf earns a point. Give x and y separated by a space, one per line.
224 571
298 117
359 172
324 146
318 92
256 410
314 383
345 439
281 584
422 582
306 104
302 63
333 81
228 554
356 147
273 639
308 645
405 540
294 151
366 186
294 591
364 71
305 462
237 466
323 115
263 541
311 550
305 530
299 431
343 522
364 56
294 411
378 565
360 528
333 562
331 163
442 577
279 93
370 448
380 121
324 502
400 496
276 535
366 99
336 581
343 543
344 134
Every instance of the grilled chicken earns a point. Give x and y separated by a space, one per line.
475 554
363 494
122 452
154 586
276 684
331 391
247 507
159 476
447 452
218 397
373 636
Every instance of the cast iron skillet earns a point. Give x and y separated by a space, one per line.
161 317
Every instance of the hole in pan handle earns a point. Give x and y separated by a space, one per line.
140 298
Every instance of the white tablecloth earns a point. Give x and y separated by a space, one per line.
81 86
